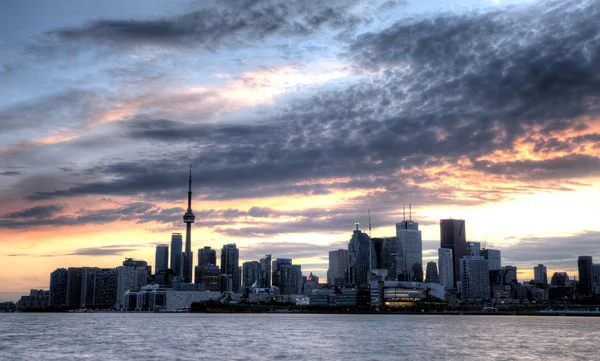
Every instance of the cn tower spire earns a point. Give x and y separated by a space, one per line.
188 219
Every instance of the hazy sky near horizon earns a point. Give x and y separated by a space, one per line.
298 117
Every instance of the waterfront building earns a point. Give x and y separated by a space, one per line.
209 275
494 258
540 274
394 294
187 258
431 275
287 277
311 283
508 275
131 276
453 236
391 257
362 258
74 282
473 248
251 274
58 287
596 278
207 256
411 244
35 300
474 278
338 262
560 279
230 256
446 268
585 267
265 271
161 260
99 287
176 254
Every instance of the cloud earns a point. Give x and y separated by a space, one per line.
222 23
10 173
102 251
38 212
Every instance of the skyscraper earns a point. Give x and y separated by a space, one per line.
585 267
362 257
338 261
409 236
251 273
446 269
494 257
207 256
176 254
188 219
161 261
432 273
131 276
99 287
596 278
474 278
58 287
391 257
265 271
230 256
74 281
540 274
474 248
453 236
287 276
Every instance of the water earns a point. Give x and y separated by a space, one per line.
148 336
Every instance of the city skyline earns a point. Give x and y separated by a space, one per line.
296 125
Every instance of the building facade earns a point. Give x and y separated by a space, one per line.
540 274
161 259
453 236
585 267
251 272
176 254
431 276
446 269
494 257
230 256
58 287
338 262
362 257
411 245
475 281
207 256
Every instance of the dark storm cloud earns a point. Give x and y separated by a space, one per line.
557 252
571 166
38 212
440 89
10 173
40 216
224 23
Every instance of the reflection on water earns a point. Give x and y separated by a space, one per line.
129 336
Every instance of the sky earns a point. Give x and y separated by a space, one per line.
298 117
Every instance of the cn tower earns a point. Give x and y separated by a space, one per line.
188 218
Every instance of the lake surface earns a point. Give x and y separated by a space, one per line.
149 336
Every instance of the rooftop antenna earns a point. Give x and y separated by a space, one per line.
369 223
485 242
409 212
404 212
356 223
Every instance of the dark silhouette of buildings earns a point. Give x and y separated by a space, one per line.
176 254
230 256
207 256
584 265
58 287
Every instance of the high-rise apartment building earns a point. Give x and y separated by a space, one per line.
161 260
453 236
508 275
99 287
74 282
596 278
209 275
362 257
176 254
230 256
131 276
474 278
409 236
287 276
58 287
265 271
446 269
207 256
338 262
431 275
391 257
494 257
585 267
540 274
251 274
